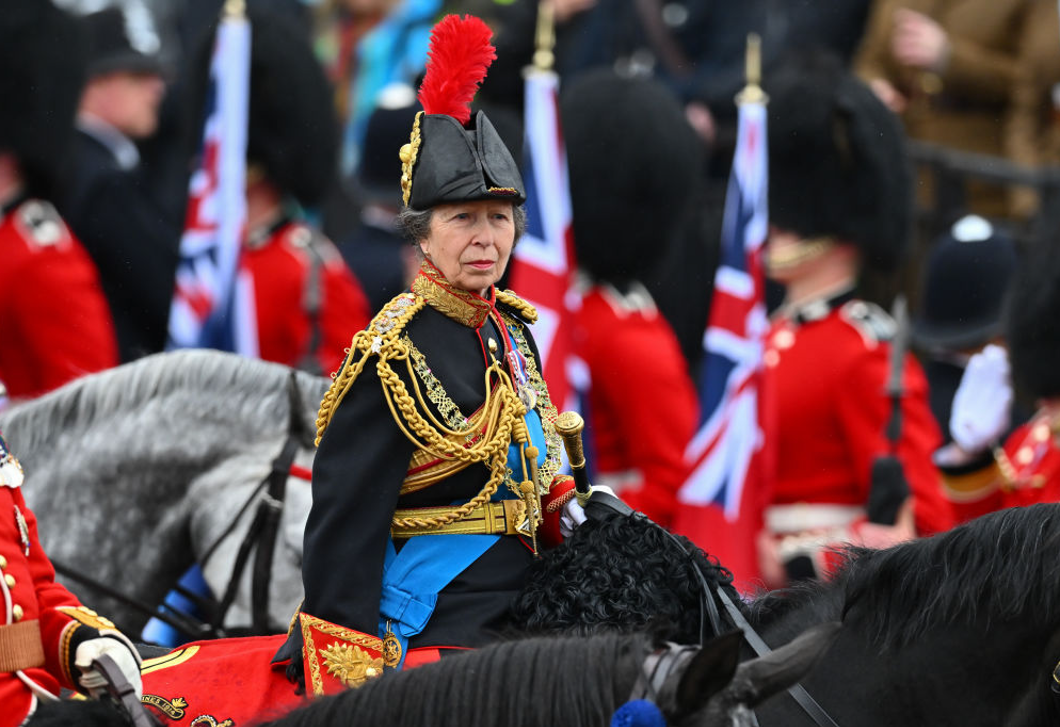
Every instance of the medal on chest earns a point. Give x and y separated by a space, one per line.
10 469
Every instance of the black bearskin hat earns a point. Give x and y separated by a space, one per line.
633 161
292 130
837 161
1033 322
42 72
453 156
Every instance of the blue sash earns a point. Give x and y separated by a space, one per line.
413 578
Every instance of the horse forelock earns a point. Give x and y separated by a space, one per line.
205 384
1001 568
546 681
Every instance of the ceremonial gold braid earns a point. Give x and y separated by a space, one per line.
504 410
512 300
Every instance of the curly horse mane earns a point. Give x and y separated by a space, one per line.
620 574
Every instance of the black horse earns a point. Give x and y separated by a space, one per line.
960 628
574 681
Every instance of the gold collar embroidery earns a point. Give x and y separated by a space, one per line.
462 306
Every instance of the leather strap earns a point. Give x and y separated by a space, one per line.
20 646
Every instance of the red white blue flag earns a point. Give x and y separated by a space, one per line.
542 269
212 304
721 501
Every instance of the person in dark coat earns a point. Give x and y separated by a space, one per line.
106 198
435 479
56 322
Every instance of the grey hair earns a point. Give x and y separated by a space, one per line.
415 225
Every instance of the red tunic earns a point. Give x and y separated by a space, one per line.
1027 473
31 600
283 268
56 324
642 402
826 373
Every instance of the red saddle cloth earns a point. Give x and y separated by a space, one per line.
220 683
229 682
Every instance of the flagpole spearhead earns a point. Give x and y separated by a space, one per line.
545 41
752 92
235 9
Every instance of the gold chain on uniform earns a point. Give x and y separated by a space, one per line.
504 408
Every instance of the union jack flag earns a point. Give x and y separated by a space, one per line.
543 264
212 305
721 501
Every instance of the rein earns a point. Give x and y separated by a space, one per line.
658 665
261 536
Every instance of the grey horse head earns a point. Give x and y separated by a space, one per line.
127 468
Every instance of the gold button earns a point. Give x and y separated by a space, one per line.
493 346
16 611
1024 455
3 562
9 580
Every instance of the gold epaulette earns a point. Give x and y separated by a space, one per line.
381 338
512 300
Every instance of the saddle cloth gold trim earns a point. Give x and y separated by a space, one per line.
20 646
494 518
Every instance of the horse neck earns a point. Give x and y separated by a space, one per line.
542 682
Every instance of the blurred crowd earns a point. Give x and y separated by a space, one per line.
333 98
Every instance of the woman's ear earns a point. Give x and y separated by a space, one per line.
425 248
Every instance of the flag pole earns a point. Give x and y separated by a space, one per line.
544 57
752 92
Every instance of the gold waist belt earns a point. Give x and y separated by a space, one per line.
20 646
494 518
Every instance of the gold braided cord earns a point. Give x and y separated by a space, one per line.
512 300
380 335
503 411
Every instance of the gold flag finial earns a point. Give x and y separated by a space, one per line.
545 39
235 8
752 92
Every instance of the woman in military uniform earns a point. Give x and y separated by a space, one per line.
437 451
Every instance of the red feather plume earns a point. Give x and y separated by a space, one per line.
458 56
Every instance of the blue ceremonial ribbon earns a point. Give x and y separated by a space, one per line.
413 578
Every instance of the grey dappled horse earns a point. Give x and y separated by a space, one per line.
134 473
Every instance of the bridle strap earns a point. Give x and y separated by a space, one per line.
761 648
657 667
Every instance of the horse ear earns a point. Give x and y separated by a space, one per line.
709 671
761 678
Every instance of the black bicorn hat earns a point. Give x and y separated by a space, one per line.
114 44
837 160
42 73
453 156
965 285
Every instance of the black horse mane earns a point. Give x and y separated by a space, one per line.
547 681
620 574
1002 567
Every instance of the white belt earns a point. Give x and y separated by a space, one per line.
801 516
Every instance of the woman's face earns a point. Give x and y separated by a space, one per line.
470 242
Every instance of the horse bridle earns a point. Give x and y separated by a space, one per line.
658 665
261 536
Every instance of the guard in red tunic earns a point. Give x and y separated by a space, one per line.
54 319
839 203
630 185
48 640
306 300
984 470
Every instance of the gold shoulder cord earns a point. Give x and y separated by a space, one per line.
382 338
